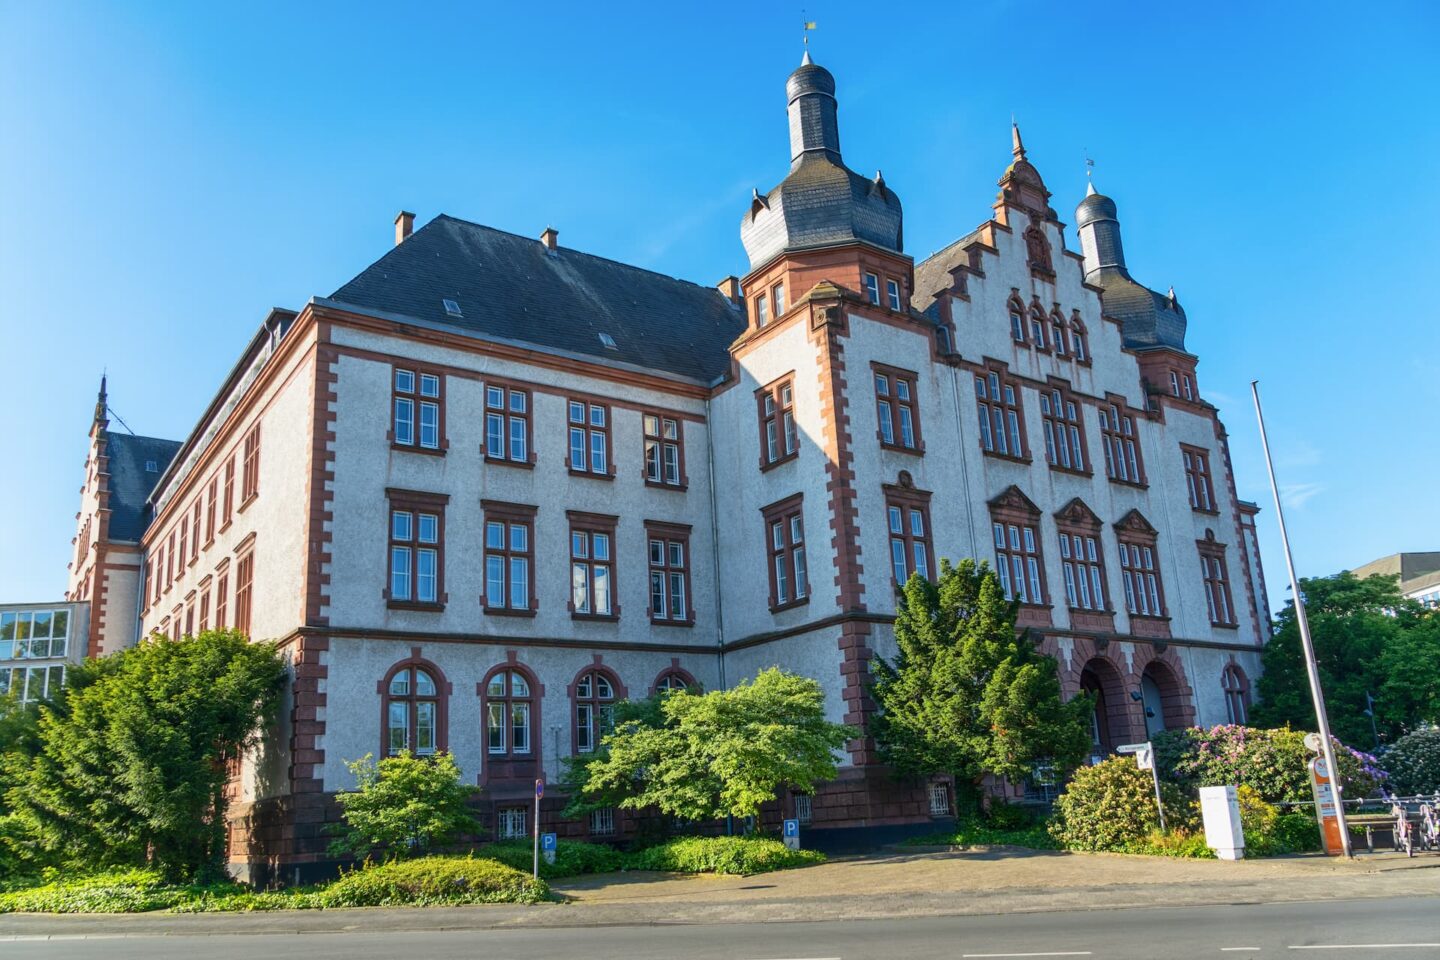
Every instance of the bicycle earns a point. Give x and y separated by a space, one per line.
1430 824
1403 832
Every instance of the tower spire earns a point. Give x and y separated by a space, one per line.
101 402
1017 146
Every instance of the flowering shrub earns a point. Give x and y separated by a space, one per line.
1414 762
1111 806
1272 762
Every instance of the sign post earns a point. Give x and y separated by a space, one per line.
539 792
1145 760
791 833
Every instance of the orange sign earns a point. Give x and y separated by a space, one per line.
1325 801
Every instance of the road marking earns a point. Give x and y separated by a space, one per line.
1367 946
1065 953
1238 949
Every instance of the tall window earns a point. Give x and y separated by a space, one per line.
412 713
1000 417
1064 431
1122 448
250 475
1181 385
1057 333
229 510
1017 324
183 542
1084 570
1197 478
1079 340
594 710
222 595
1237 694
785 539
507 714
892 294
669 546
1217 583
195 528
205 605
592 566
762 311
1142 579
778 438
589 438
417 409
1037 329
211 495
507 424
509 557
417 535
664 452
909 524
1017 561
777 295
170 561
244 578
872 288
895 408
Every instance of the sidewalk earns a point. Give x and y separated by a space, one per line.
886 885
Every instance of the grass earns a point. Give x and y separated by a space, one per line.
976 832
740 856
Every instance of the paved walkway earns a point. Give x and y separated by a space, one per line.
898 884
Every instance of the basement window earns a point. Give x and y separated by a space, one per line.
452 308
608 341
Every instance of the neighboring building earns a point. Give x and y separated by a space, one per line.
493 485
37 642
1417 573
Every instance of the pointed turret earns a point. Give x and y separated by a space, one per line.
1021 185
102 405
1149 319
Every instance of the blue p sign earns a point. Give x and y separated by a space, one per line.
547 841
792 828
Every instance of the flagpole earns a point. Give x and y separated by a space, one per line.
1311 668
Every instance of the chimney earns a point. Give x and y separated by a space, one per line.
730 287
404 226
549 236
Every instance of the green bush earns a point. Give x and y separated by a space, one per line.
1188 844
120 891
431 881
1287 833
1414 762
970 832
572 858
741 856
1111 806
403 806
1273 762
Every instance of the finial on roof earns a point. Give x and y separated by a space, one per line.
1089 188
805 61
101 402
1017 147
1173 301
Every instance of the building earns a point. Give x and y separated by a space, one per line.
493 484
1418 574
38 641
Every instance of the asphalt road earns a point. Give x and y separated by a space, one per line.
1352 928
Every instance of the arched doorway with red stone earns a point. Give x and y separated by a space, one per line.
1165 697
1110 720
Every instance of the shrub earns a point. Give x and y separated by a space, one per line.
572 858
970 832
1273 762
1287 833
432 881
1176 843
404 805
1414 762
1006 816
727 855
120 891
1112 805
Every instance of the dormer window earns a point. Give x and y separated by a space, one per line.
608 342
872 288
762 311
151 466
452 308
892 294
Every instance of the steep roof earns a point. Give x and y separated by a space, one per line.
131 482
933 273
514 288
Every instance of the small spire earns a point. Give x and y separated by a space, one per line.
1017 147
1089 188
805 61
102 403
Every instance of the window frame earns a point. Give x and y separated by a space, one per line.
1120 441
762 311
995 378
1012 509
211 495
531 700
413 699
222 594
508 418
894 296
1079 340
1215 575
589 526
196 512
777 300
509 515
1199 479
1019 320
870 288
418 400
204 588
662 443
890 408
909 501
1039 328
244 584
250 467
1237 695
415 503
1062 418
668 535
1139 578
228 513
785 513
585 699
589 432
782 417
1079 533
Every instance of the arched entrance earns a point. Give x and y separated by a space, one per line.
1109 725
1165 707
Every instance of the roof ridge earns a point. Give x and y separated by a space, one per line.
137 436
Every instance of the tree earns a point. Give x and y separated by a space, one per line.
404 805
131 761
717 754
965 694
1368 639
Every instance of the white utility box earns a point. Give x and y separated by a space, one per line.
1220 806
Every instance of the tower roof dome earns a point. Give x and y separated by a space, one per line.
1095 206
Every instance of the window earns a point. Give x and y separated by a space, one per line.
416 400
872 288
507 424
939 800
170 561
602 822
895 408
1237 694
1084 571
250 476
594 696
1122 449
892 294
229 510
34 634
907 512
1057 333
30 684
222 596
210 497
804 808
159 571
1064 430
507 714
785 539
1217 583
592 566
762 311
1185 386
244 577
195 529
510 823
1078 339
509 554
672 680
1017 324
1142 580
205 605
417 559
1037 329
664 450
1181 385
669 547
1000 418
777 297
1015 522
412 713
1197 478
778 438
589 438
189 617
184 543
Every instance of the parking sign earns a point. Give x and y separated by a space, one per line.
790 830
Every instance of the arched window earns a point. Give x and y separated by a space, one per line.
1017 319
1237 694
1057 329
508 701
1079 341
594 709
412 712
671 680
1037 329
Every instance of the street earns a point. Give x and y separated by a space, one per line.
1358 928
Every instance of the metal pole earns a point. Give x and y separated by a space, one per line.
535 868
1311 668
1155 775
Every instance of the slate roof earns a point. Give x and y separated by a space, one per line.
819 204
512 287
130 482
933 273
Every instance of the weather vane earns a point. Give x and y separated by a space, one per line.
1089 165
808 26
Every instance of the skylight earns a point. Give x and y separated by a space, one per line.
608 341
150 467
452 308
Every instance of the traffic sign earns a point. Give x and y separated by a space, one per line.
539 789
790 830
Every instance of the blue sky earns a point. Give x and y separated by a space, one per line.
170 171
